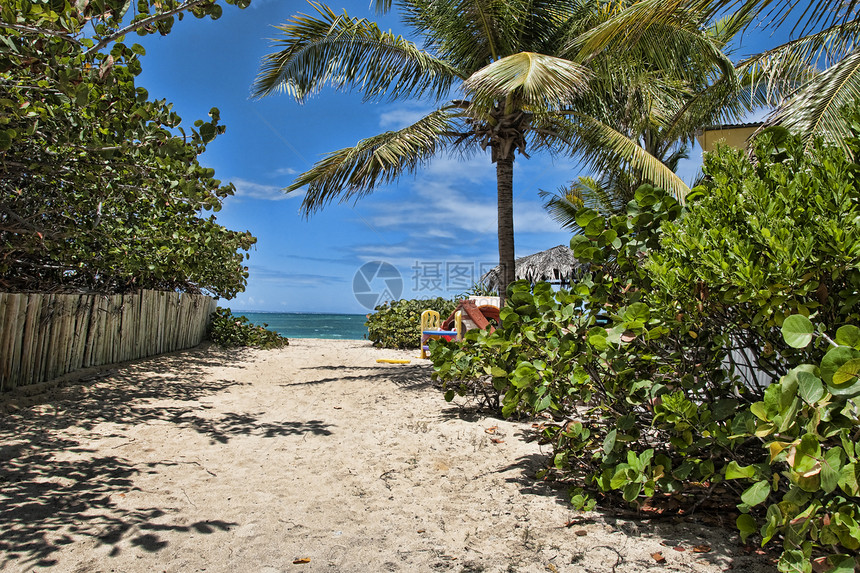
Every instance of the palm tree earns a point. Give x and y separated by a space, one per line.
502 74
661 117
810 78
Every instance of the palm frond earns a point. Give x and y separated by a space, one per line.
600 144
351 173
533 79
607 195
806 16
349 52
816 108
462 31
774 74
562 206
626 28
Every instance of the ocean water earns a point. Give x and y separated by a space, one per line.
311 325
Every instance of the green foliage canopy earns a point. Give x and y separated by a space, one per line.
641 362
100 187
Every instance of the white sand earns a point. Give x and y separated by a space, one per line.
214 460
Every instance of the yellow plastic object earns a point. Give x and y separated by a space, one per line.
430 320
392 361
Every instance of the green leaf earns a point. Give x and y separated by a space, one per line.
846 379
637 312
797 331
831 469
834 359
810 387
794 561
497 372
5 139
207 132
842 563
773 521
609 442
848 335
736 471
849 479
631 491
758 408
524 375
757 493
597 338
746 525
583 218
724 408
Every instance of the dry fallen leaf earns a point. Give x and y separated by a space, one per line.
491 429
581 532
679 548
701 548
497 441
302 560
658 557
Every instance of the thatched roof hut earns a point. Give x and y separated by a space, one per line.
556 265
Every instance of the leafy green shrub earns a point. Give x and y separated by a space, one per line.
396 324
808 425
763 241
231 331
641 363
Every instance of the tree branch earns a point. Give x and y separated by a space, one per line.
145 22
45 31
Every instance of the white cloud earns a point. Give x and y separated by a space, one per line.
251 190
284 171
442 210
245 302
476 169
401 117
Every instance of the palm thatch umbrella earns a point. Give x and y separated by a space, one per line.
556 265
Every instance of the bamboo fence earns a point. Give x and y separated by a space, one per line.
43 336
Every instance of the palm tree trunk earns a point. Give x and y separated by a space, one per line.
505 186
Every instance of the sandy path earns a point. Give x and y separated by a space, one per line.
209 460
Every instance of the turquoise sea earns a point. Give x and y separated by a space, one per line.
311 325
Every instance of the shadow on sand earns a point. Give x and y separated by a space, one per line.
404 376
55 491
693 532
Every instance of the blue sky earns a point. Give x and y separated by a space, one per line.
444 218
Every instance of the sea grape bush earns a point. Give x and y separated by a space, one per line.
101 189
488 365
809 476
763 241
395 324
232 331
640 364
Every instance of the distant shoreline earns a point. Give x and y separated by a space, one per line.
243 311
326 326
